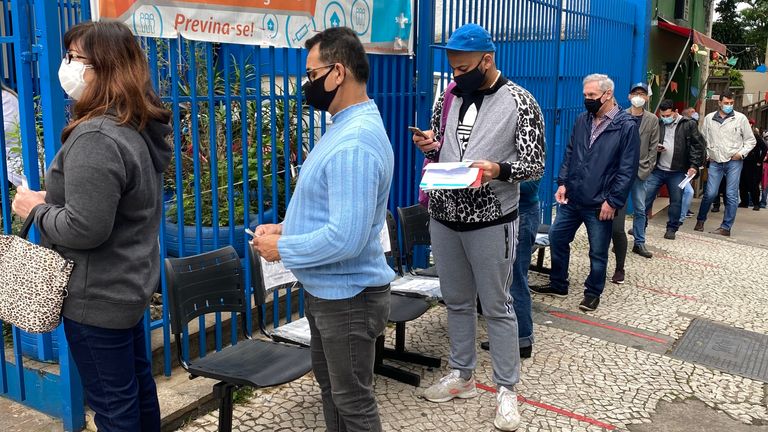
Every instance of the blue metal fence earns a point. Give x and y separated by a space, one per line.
30 56
242 131
548 47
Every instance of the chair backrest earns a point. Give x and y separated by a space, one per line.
202 284
389 235
414 222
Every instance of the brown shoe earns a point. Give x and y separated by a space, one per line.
699 226
722 232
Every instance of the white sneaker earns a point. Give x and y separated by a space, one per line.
451 386
507 415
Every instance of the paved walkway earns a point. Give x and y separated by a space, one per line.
607 370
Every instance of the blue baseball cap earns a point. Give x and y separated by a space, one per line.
469 38
640 85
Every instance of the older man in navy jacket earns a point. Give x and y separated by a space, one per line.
598 168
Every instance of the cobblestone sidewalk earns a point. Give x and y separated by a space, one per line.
577 381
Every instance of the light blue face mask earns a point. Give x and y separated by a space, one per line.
668 120
727 109
695 116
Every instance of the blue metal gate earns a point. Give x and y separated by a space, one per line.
30 57
242 130
548 47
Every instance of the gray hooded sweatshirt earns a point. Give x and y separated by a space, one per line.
103 210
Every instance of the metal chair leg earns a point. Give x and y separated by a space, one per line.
224 392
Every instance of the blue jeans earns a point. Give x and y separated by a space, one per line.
686 203
526 236
117 376
561 233
671 179
731 170
639 216
343 349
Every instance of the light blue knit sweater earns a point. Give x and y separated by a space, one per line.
331 231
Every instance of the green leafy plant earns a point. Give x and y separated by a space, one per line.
736 79
217 133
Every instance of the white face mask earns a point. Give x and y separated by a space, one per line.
72 77
638 101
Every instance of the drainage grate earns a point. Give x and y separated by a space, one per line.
728 349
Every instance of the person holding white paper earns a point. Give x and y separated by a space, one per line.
681 153
11 131
498 125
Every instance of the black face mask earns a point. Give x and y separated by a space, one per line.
593 105
316 95
470 81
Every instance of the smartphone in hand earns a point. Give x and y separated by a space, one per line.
416 131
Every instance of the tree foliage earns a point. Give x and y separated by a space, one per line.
745 31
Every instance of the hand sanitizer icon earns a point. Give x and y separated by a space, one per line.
335 21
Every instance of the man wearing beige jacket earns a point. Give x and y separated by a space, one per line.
729 139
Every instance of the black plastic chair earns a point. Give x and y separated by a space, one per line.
540 250
414 222
403 308
215 282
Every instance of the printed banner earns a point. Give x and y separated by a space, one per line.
384 26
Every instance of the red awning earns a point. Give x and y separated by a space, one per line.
698 37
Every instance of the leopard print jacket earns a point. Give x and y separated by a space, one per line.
479 205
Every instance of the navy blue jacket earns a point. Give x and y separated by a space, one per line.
605 171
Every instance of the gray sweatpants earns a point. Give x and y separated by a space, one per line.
471 264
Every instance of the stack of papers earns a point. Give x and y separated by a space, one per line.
450 175
685 181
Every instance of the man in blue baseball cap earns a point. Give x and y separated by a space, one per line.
498 125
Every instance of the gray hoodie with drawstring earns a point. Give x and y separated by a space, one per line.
103 210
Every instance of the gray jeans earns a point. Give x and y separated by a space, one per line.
474 264
343 347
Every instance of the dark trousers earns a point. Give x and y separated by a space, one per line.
619 237
561 233
661 177
720 192
343 348
117 376
530 217
749 184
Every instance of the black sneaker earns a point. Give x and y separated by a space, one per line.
548 290
715 209
618 277
669 235
589 303
525 352
642 251
689 214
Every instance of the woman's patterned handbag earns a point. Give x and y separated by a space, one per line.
33 282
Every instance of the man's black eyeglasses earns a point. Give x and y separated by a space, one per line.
309 71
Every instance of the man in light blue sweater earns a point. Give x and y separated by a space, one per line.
330 237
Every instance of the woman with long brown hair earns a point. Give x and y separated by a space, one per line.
102 209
